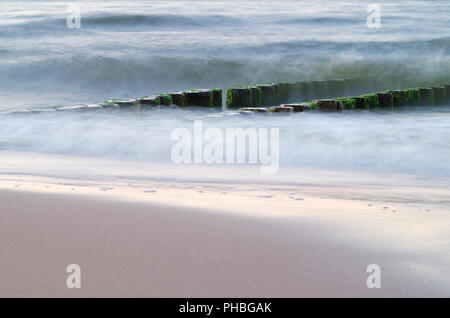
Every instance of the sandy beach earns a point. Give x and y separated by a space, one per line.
199 232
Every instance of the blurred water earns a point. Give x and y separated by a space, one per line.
414 141
136 48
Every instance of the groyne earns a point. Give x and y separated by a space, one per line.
329 95
284 97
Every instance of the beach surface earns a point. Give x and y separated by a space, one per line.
158 230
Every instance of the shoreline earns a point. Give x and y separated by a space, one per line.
198 232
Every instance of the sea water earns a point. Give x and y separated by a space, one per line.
126 49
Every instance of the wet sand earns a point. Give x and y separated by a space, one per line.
192 237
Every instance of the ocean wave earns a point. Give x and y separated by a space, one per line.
115 22
323 21
84 70
309 48
167 20
289 60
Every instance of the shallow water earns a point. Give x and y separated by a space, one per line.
414 141
136 48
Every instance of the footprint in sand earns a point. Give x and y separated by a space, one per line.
266 196
299 199
149 191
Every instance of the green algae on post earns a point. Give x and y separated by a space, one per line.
284 93
399 98
217 97
347 103
199 97
276 96
385 100
362 102
267 94
373 100
178 99
412 97
239 97
166 99
149 101
256 96
328 104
